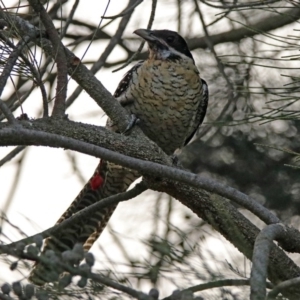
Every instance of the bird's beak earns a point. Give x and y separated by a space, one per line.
145 34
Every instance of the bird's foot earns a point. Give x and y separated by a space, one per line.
133 121
175 160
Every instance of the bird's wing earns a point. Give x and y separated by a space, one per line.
201 110
120 92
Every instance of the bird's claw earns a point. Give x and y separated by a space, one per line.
175 160
133 121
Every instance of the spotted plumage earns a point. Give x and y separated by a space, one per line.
125 82
169 98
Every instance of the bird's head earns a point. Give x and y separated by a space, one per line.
165 44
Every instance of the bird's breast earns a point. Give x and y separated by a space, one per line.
166 96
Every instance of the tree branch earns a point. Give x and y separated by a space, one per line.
135 155
216 284
226 219
109 48
10 63
84 77
260 259
60 59
11 155
37 75
83 214
270 22
235 35
283 286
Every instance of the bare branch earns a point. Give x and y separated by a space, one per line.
138 51
60 59
70 18
7 113
6 73
267 24
260 258
126 11
226 219
216 284
283 286
103 57
130 291
79 72
37 75
135 148
248 4
11 155
83 214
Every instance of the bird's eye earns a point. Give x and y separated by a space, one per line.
170 39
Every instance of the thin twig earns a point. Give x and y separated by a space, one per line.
35 72
283 286
11 155
217 284
84 213
126 11
212 49
139 50
14 186
249 4
69 19
6 73
11 62
105 281
103 57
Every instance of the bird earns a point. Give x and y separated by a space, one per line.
169 98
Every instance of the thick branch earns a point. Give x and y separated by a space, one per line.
86 79
226 219
83 137
60 58
59 133
263 245
79 137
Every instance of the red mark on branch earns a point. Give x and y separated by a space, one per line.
75 61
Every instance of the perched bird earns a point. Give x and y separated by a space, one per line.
167 95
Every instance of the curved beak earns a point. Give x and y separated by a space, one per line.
145 34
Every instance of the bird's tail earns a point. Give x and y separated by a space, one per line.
108 179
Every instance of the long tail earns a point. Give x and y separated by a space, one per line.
108 179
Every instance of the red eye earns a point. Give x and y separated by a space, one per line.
170 39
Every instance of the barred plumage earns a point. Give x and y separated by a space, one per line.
169 98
